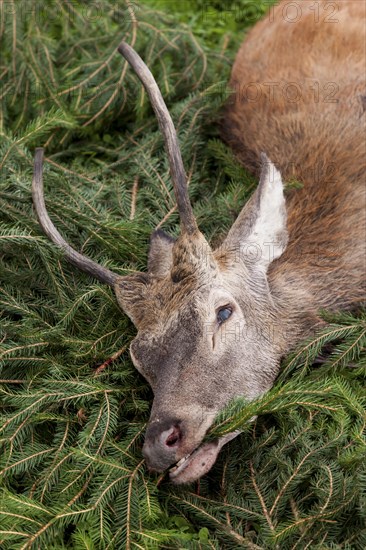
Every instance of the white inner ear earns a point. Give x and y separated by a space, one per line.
268 237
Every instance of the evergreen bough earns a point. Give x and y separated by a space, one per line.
73 408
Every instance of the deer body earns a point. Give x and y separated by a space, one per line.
309 116
213 325
308 72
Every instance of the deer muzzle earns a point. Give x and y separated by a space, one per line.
167 444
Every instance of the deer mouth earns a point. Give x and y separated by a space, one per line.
200 461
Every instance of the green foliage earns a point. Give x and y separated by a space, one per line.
73 409
213 21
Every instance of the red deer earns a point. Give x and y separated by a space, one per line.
286 256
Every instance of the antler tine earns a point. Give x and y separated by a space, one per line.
82 262
188 221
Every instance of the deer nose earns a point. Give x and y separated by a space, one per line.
163 441
171 437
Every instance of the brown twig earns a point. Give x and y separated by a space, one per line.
134 196
109 361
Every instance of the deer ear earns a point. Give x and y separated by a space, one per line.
132 295
259 234
160 259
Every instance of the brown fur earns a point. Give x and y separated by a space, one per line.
321 144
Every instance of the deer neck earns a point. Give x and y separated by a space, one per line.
297 301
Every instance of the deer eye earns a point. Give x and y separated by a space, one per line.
223 314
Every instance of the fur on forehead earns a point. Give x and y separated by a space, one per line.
192 257
153 297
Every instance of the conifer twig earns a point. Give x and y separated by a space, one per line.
106 363
134 196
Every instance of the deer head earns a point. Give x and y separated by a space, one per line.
201 314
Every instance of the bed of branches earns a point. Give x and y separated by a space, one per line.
73 408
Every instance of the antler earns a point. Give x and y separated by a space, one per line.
82 262
188 221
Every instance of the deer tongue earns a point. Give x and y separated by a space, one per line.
200 461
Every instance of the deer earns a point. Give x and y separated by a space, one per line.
214 324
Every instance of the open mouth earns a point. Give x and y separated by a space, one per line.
200 461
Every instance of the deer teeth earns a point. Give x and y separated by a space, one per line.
179 463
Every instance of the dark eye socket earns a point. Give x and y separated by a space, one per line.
223 314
